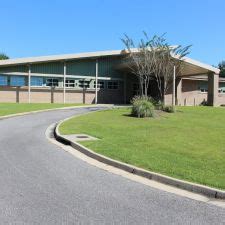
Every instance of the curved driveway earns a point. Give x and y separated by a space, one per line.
42 184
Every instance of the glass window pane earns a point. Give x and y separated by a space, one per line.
203 86
52 82
101 84
84 84
70 83
113 85
17 81
36 81
3 80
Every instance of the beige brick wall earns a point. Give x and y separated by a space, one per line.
46 95
190 93
221 99
8 94
191 96
40 96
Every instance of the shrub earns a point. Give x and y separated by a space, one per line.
169 109
142 107
158 105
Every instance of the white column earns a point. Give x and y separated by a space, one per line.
29 75
96 81
64 83
179 91
174 86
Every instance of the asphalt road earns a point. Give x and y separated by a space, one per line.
40 183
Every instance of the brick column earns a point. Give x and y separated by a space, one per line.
213 85
179 91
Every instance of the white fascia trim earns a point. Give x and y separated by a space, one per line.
199 64
202 65
58 57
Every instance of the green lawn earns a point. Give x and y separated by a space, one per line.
189 144
12 108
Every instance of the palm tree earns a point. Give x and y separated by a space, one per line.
3 56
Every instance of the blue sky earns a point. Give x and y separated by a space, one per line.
46 27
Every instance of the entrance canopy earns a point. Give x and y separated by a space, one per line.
190 67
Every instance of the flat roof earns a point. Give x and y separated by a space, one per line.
64 57
50 58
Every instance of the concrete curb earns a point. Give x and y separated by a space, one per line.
196 188
46 110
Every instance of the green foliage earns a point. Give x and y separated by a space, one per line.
169 109
222 68
3 56
158 104
12 108
142 107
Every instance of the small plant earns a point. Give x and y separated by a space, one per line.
142 107
169 109
204 103
158 105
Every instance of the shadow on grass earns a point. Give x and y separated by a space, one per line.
157 114
129 115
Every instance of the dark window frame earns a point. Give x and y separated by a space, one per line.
52 82
113 85
101 84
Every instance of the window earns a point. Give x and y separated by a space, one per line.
3 81
203 87
70 83
17 81
52 82
113 85
84 83
221 90
36 81
221 87
204 90
101 84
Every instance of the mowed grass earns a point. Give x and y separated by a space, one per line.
189 144
12 108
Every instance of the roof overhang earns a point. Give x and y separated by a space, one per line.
52 58
190 66
194 67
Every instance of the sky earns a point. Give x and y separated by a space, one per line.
49 27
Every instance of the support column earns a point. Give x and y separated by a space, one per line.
174 86
64 82
213 86
96 81
125 88
29 76
179 91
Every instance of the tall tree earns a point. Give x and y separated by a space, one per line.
222 68
3 56
154 59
